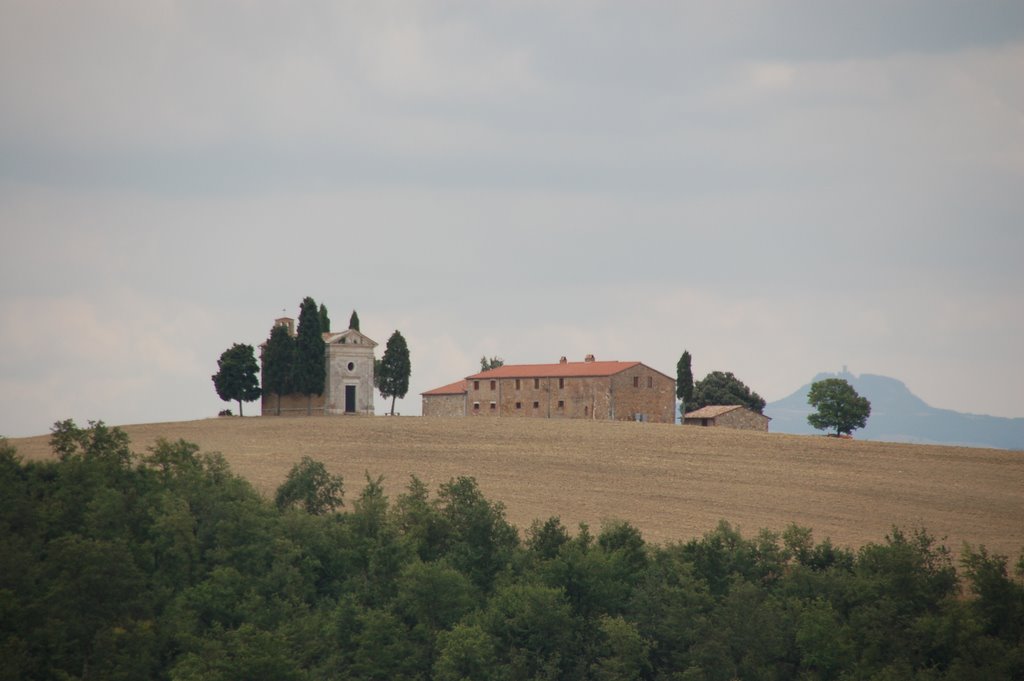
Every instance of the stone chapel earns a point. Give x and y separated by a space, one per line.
348 385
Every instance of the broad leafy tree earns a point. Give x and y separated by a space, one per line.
353 321
724 388
684 380
310 487
310 360
838 406
488 363
325 320
237 376
279 363
395 369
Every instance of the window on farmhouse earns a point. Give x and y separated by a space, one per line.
492 384
519 405
636 381
476 385
476 406
561 405
536 384
536 405
561 383
650 381
494 405
517 384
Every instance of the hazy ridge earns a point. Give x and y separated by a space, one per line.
897 415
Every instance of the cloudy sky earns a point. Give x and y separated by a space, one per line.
781 188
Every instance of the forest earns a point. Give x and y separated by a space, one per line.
166 565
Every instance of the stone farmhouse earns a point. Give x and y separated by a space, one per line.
605 391
727 416
348 385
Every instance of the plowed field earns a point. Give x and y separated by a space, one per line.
672 482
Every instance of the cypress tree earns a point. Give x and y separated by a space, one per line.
684 380
353 321
279 363
310 361
395 369
325 321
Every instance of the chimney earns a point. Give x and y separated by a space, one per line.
562 360
588 358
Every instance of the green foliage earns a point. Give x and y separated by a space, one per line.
488 363
310 487
279 363
325 320
237 376
838 406
168 566
97 443
999 601
310 360
394 369
546 539
724 388
480 541
353 321
684 380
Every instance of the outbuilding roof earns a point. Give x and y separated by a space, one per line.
715 410
456 388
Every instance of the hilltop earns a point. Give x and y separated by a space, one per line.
673 482
897 415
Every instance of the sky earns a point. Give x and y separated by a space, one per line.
781 188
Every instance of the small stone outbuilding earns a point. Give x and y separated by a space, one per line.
727 416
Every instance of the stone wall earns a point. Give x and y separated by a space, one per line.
444 405
645 392
743 419
293 404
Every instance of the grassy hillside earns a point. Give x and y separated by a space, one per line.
672 482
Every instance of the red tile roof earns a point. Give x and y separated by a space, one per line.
456 388
557 370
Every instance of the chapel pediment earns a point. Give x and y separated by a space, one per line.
350 337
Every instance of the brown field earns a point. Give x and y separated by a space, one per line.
673 483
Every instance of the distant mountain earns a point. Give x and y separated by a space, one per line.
897 415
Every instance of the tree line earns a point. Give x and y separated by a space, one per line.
298 364
166 565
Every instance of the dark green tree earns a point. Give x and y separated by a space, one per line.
353 321
486 364
279 363
237 377
394 369
684 380
325 321
838 406
310 360
724 388
310 487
